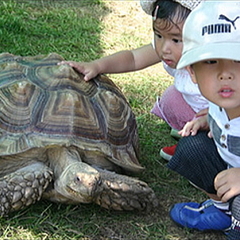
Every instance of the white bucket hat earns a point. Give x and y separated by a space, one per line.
147 5
211 31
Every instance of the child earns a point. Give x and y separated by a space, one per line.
168 19
211 38
181 102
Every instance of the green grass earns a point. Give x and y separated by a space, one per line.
84 30
72 31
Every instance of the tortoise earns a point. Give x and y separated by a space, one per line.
66 140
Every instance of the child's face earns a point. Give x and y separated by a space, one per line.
168 41
219 82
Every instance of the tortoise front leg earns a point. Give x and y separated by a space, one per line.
120 192
23 187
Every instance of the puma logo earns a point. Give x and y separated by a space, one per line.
222 17
220 27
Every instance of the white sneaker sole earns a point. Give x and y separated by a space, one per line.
165 155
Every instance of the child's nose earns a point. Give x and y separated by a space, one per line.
225 68
166 47
225 76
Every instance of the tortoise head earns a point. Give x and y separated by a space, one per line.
78 182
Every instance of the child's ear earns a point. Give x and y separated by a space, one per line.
192 73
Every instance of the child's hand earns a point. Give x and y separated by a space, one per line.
89 70
227 184
192 127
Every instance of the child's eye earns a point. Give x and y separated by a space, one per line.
210 61
159 36
177 40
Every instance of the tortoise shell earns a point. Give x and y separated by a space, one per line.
45 104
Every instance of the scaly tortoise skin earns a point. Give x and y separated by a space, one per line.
65 139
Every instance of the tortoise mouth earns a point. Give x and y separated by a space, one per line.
80 197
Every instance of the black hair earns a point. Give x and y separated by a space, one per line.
171 11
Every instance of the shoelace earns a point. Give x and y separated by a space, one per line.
203 205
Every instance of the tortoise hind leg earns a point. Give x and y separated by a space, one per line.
120 192
23 187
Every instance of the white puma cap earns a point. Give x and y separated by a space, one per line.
211 31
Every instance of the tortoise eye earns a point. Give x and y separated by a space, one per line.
78 179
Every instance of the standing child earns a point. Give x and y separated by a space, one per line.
211 38
180 105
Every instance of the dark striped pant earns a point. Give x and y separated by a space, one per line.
196 158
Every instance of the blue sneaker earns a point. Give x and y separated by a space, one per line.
202 217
